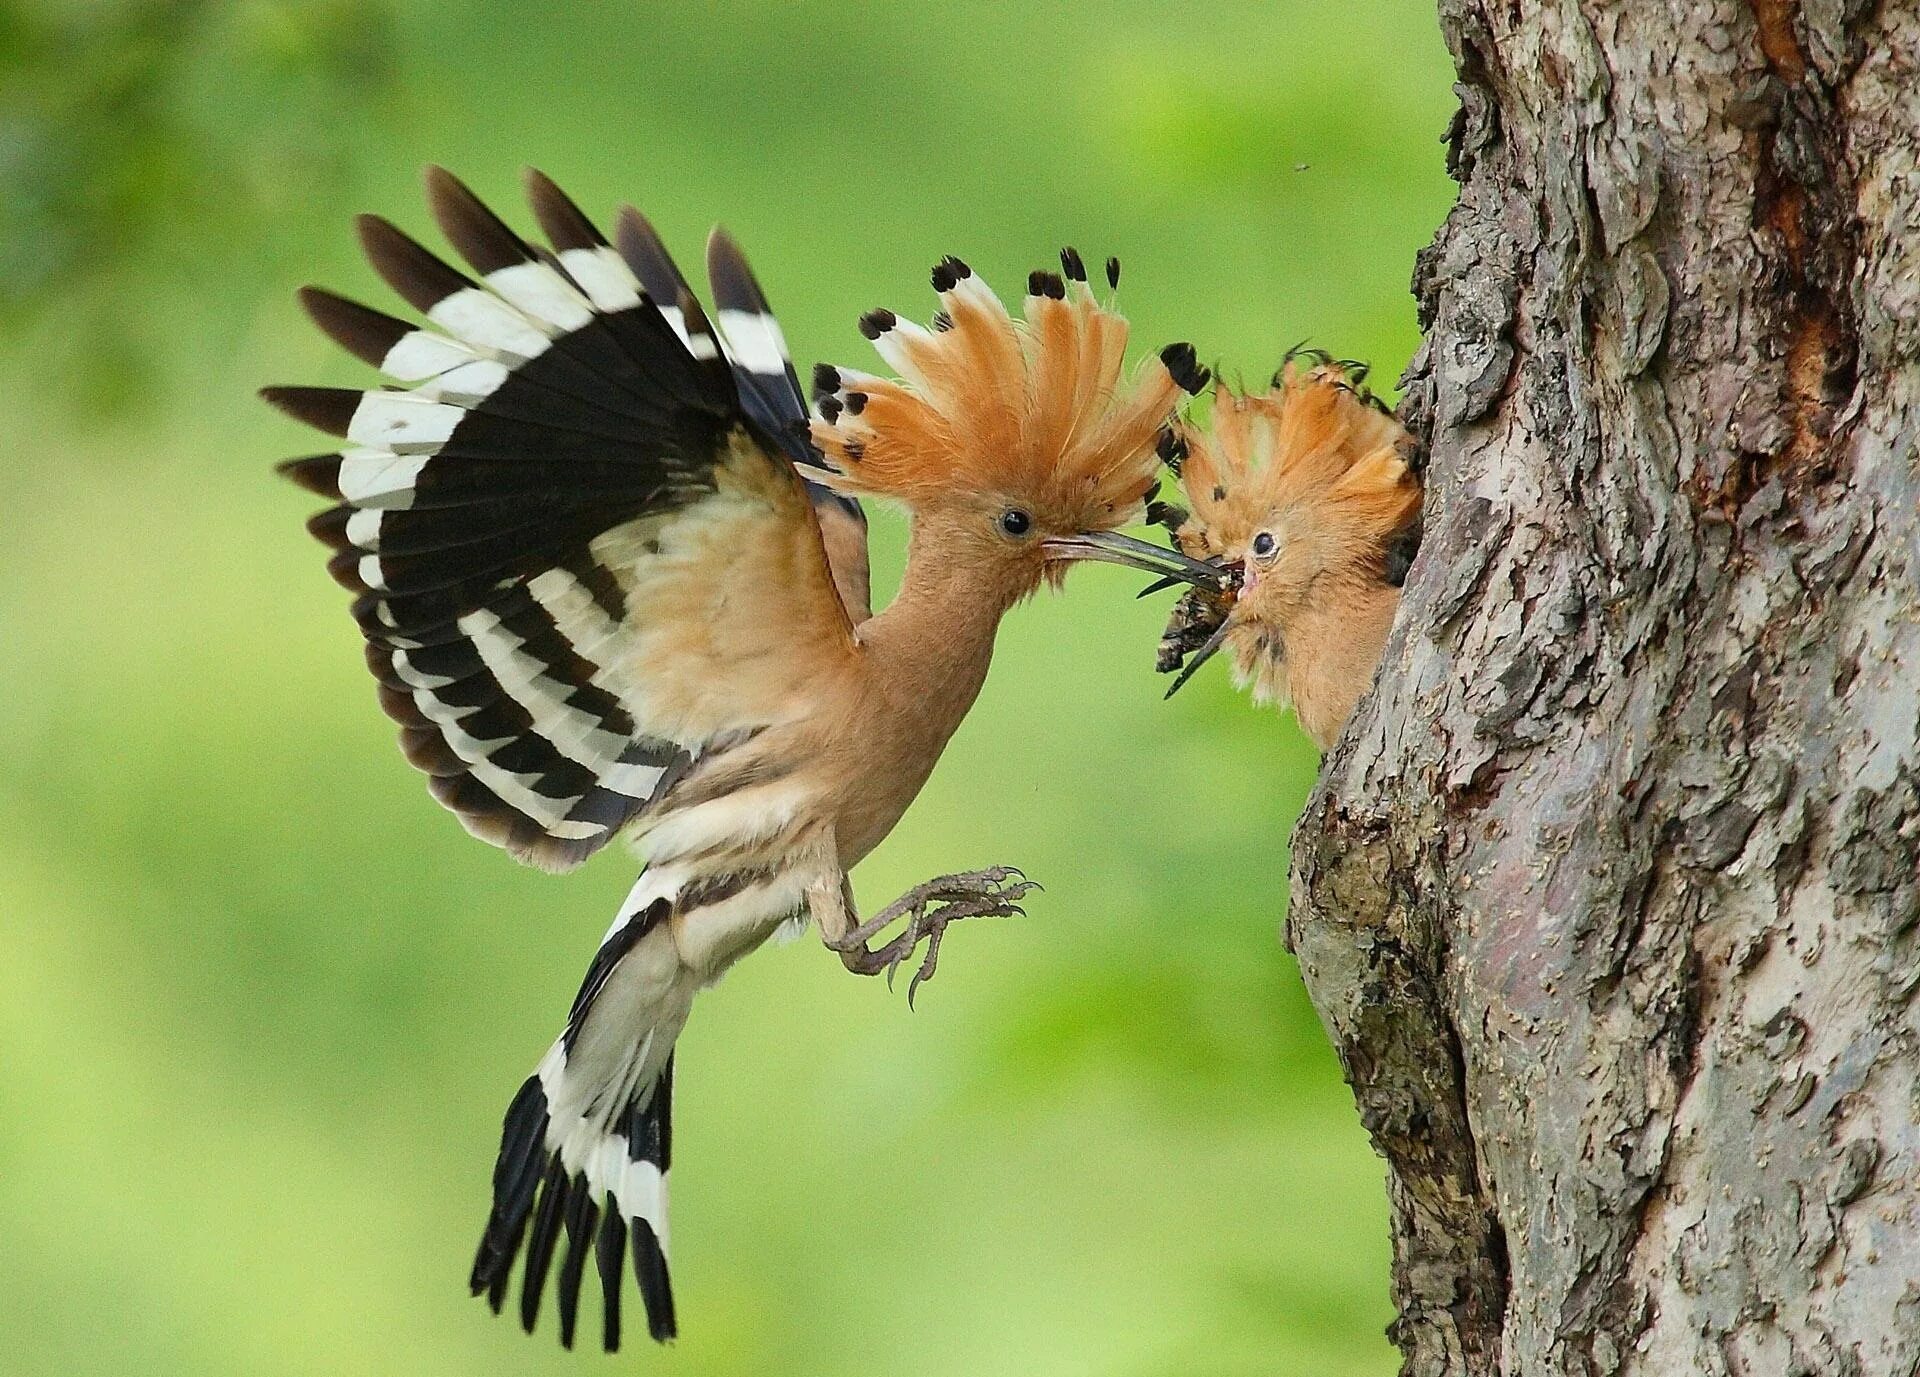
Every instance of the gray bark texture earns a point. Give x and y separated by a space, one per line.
1610 895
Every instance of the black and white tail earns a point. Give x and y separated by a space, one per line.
588 1141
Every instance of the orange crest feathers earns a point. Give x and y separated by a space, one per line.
1315 439
1034 407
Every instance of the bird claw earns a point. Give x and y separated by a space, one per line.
928 909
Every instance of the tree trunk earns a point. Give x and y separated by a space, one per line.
1610 897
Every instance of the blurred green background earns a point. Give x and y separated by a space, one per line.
261 1002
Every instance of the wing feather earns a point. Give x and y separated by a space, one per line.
770 391
569 529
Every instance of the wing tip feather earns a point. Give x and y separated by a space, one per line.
367 334
324 408
480 236
559 217
420 278
318 474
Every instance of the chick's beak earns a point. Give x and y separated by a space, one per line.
1205 653
1110 547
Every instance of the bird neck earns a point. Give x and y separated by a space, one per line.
925 658
938 631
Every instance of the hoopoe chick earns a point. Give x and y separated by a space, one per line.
1303 496
610 588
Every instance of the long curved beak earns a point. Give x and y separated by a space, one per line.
1110 547
1226 579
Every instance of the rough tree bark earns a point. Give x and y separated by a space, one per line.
1610 897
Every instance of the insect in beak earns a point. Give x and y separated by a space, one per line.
1205 653
1110 547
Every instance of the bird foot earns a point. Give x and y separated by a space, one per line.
928 908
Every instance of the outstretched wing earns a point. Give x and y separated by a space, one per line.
750 339
582 558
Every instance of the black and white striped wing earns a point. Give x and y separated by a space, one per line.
561 472
747 334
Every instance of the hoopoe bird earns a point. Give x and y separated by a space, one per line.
1303 497
612 580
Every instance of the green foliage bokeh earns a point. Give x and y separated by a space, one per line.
261 1002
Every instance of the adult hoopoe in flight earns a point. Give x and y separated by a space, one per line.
609 586
1303 497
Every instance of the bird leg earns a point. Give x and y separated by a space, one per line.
928 908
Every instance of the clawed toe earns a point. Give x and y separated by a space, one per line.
928 908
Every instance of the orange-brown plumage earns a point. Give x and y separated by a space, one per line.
991 406
1306 491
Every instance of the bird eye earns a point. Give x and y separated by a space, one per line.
1015 522
1264 545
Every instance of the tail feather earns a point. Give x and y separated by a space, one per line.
650 1139
582 1214
497 1287
586 1143
521 1156
650 1271
541 1241
617 1195
610 1254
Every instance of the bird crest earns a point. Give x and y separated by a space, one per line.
1316 440
983 401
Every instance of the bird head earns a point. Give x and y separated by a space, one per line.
1019 445
1303 497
